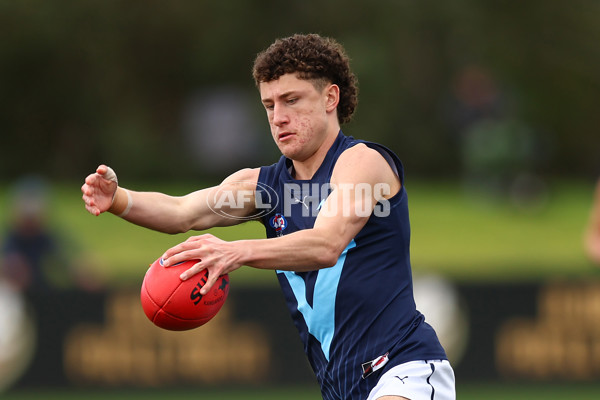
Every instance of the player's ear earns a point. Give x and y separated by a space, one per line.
332 97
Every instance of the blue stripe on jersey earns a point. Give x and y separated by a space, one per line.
320 318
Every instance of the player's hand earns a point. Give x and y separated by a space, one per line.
215 255
99 190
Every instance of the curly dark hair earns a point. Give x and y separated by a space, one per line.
312 57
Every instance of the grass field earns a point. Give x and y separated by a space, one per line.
454 234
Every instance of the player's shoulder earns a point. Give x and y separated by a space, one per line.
361 156
362 163
243 177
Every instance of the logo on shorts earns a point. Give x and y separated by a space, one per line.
371 366
279 223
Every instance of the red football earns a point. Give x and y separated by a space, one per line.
177 305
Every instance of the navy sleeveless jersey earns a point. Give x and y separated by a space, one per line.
363 307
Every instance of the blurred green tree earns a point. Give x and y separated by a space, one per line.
107 81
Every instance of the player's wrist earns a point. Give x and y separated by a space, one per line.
122 202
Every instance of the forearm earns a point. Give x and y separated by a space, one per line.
152 210
304 250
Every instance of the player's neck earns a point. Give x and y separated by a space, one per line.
306 169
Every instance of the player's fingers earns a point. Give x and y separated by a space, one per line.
86 199
93 182
87 189
170 256
91 179
88 193
212 278
188 250
187 274
174 259
106 172
177 256
89 201
92 209
111 175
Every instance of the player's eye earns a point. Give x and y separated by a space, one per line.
292 100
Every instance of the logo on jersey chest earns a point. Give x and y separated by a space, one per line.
279 223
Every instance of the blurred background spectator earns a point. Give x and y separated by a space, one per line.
499 153
39 269
32 260
34 257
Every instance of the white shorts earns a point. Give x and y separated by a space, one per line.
417 380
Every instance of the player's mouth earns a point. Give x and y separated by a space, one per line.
284 135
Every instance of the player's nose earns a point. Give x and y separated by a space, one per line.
280 116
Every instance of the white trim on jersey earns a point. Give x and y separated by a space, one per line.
417 380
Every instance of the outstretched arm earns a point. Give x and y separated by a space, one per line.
171 214
592 233
358 179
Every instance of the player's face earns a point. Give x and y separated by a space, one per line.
300 115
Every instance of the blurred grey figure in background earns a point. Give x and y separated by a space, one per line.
31 258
